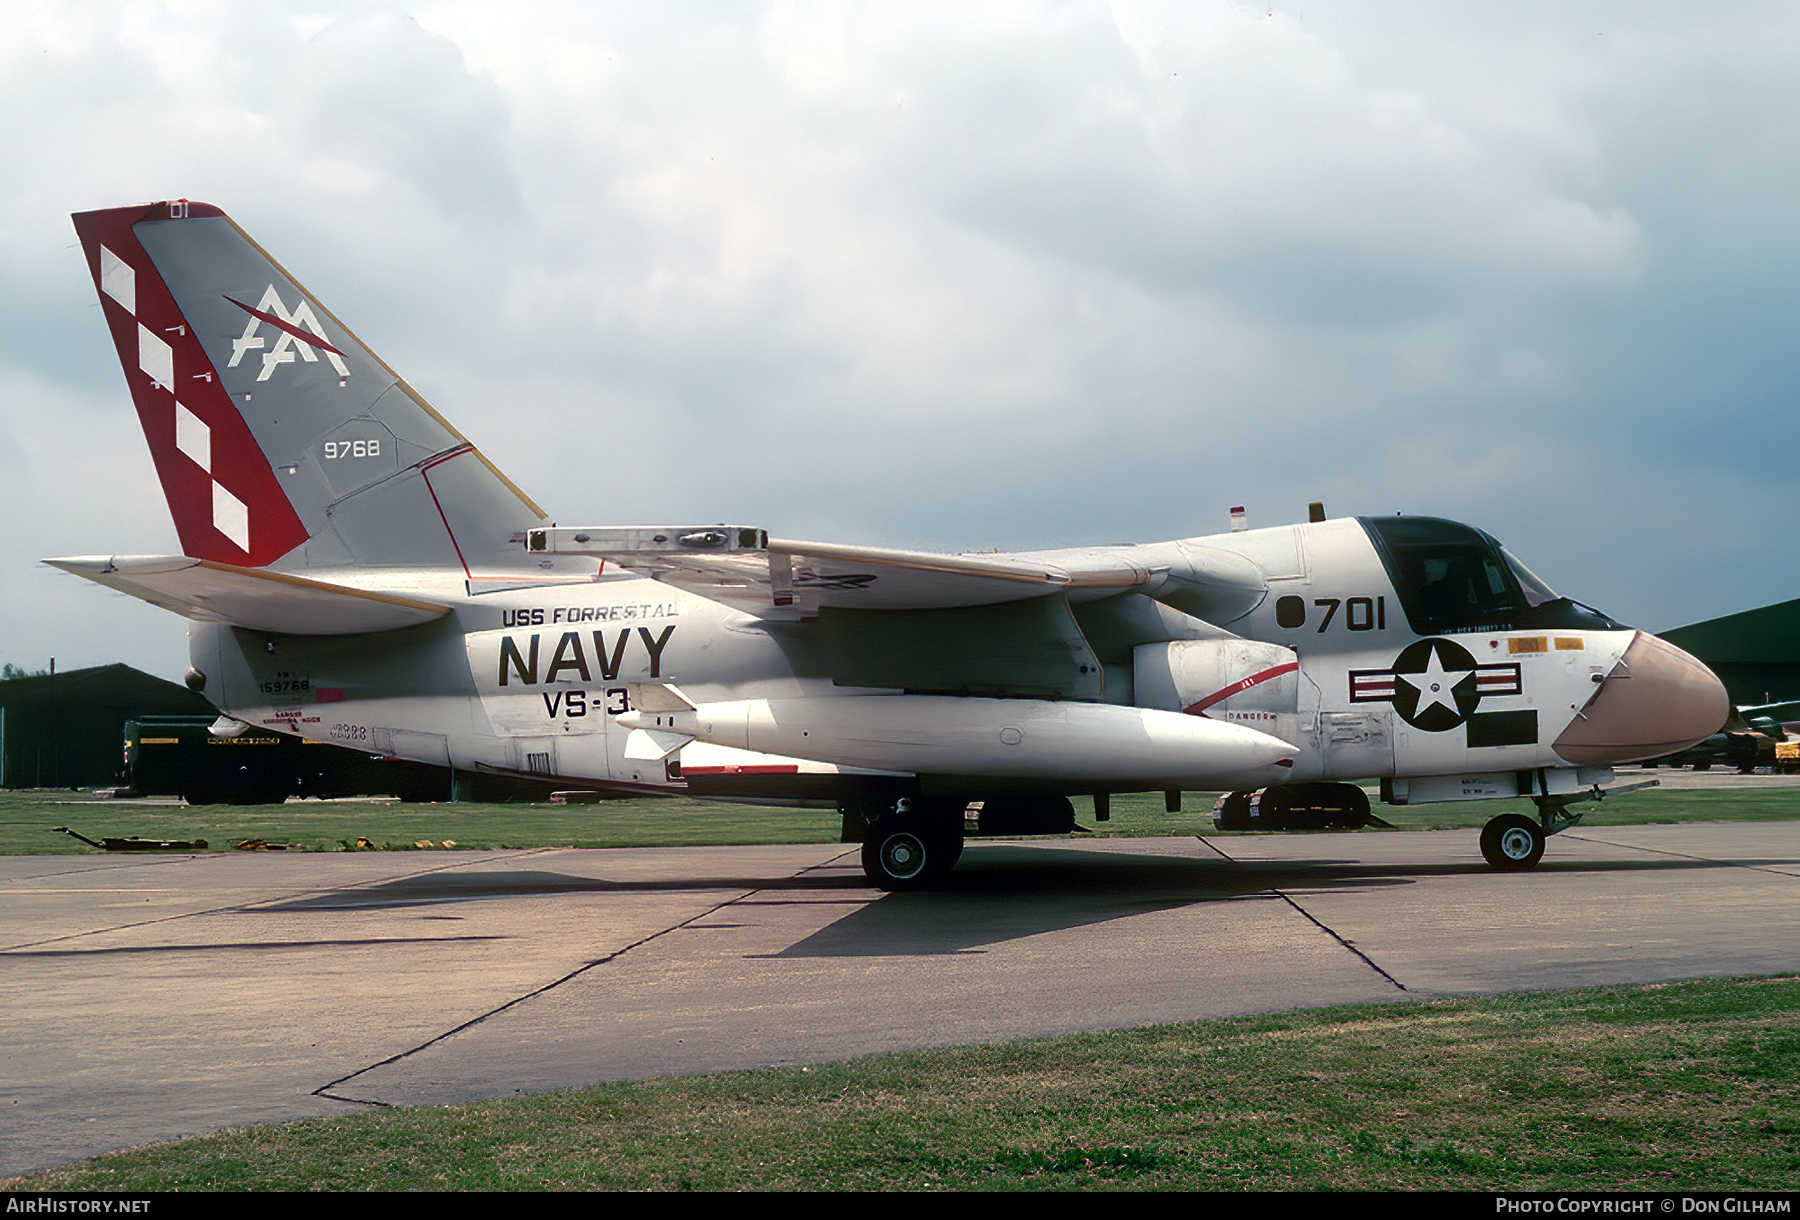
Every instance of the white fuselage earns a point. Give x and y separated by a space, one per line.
529 682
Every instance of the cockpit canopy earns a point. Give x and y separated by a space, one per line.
1452 578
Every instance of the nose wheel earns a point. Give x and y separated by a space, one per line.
1512 843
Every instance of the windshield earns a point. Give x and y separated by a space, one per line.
1451 578
1535 590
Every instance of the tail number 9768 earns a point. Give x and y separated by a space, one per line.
353 449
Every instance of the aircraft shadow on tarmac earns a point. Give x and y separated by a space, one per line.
1121 880
451 886
1006 892
999 892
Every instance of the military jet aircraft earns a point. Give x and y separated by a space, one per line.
355 571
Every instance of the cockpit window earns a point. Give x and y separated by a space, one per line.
1535 590
1451 578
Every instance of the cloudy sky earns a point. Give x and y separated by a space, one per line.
962 276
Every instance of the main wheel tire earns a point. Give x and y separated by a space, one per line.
1268 809
1512 843
903 853
1232 812
1310 806
1353 813
950 852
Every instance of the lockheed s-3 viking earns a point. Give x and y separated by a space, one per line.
355 571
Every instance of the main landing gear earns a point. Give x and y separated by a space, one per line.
912 843
1311 806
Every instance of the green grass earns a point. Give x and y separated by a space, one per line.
1651 807
27 817
1690 1086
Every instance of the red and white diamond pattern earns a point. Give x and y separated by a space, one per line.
230 516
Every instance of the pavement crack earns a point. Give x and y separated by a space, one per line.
1314 920
835 861
1215 847
1680 855
118 927
325 1090
1331 932
221 910
121 861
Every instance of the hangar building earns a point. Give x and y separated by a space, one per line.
1756 653
66 730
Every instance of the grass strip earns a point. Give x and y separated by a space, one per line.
1687 1086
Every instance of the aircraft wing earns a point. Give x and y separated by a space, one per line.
781 578
213 592
812 575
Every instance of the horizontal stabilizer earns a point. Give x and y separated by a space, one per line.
209 591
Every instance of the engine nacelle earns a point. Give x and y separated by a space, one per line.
1086 746
1246 682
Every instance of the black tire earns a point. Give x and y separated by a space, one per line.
1268 809
907 853
1512 843
1314 806
1354 812
1232 812
952 849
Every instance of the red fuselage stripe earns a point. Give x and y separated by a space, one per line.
1238 687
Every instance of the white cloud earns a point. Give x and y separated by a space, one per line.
1009 274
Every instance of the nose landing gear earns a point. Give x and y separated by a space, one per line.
1512 842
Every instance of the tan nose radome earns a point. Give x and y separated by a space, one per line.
1657 700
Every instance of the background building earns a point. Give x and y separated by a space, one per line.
1756 653
67 730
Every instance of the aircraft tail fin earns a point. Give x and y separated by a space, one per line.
279 438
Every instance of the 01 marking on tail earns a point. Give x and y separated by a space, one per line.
344 546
